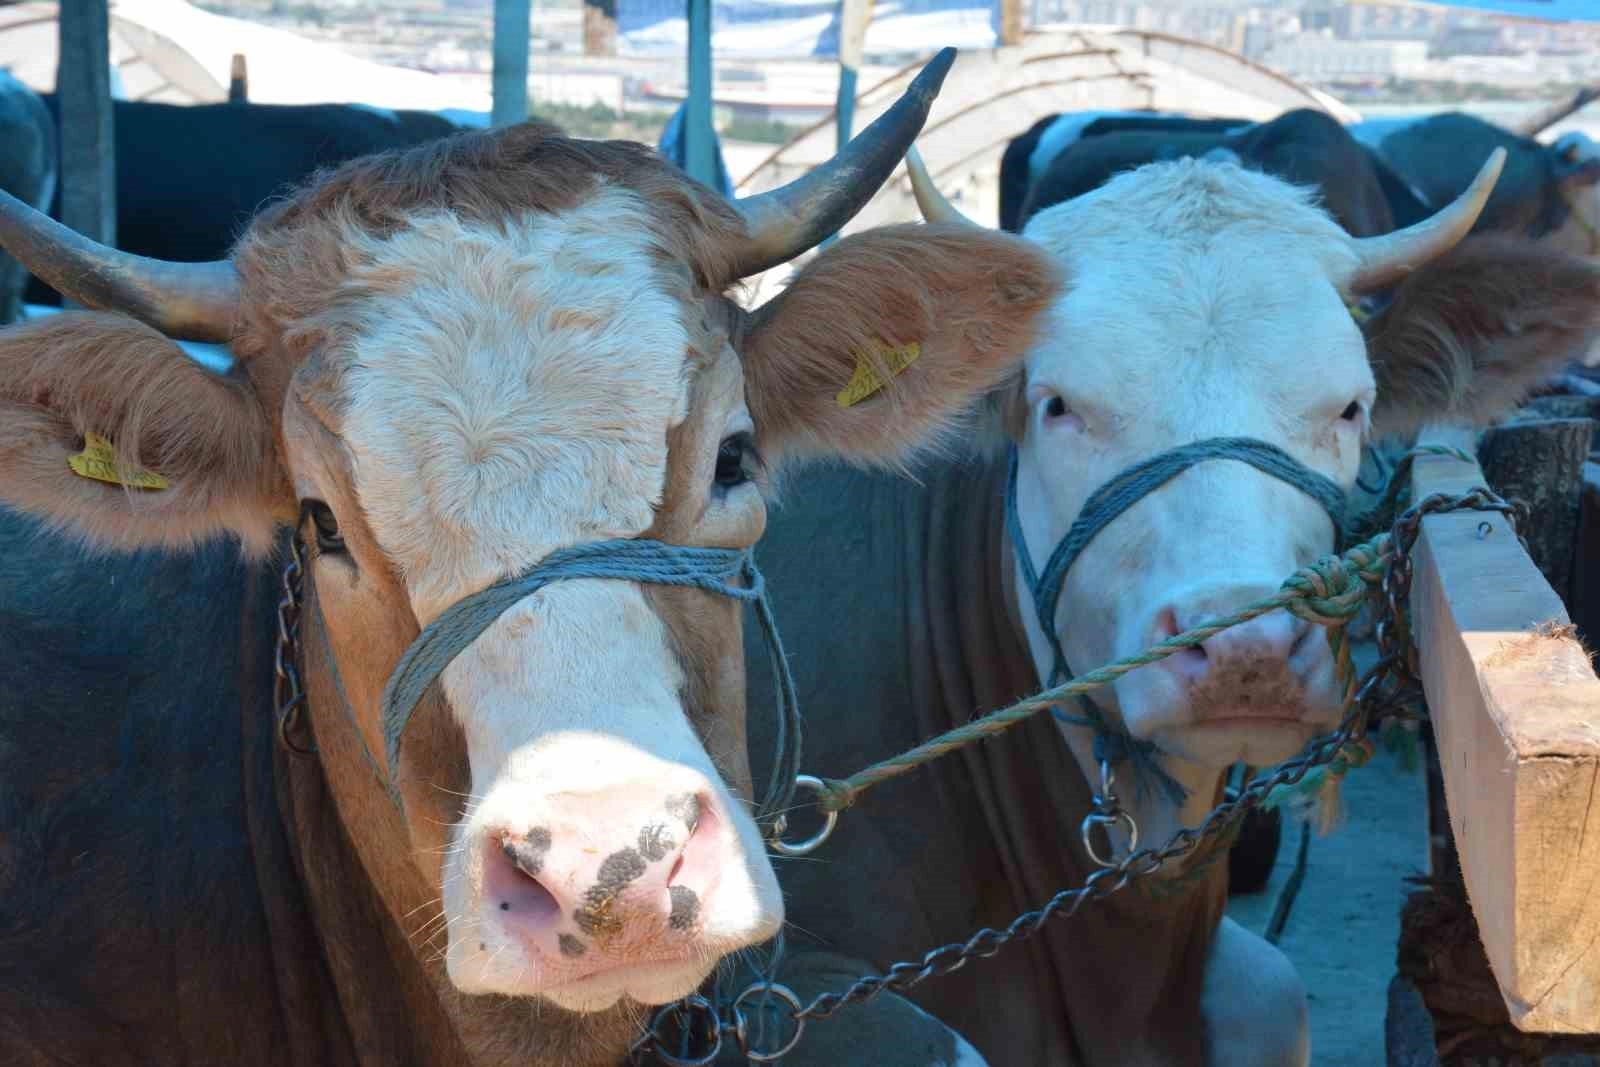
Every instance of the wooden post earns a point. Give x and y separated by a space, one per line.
239 80
1515 705
1585 603
1540 462
511 37
1011 22
697 130
88 147
600 27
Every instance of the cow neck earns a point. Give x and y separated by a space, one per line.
367 897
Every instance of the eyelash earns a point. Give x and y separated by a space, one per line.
737 461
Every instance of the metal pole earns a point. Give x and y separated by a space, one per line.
511 39
697 130
854 15
88 147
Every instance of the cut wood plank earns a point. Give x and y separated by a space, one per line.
1516 709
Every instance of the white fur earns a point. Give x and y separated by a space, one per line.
1254 1003
1205 301
510 394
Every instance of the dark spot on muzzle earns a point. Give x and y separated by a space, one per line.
595 917
655 842
685 907
686 808
571 947
528 852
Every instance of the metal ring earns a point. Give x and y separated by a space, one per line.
696 1005
740 1028
1094 819
816 840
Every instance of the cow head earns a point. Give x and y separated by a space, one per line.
453 360
1203 300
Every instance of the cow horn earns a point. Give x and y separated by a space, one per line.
1552 113
797 217
186 301
1390 257
930 201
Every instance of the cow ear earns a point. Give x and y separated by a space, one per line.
111 433
1469 335
886 338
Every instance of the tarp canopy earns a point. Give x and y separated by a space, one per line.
1553 10
806 29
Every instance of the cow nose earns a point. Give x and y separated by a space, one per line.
598 879
1266 644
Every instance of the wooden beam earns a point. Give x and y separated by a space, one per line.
88 148
1515 705
697 131
239 80
511 38
1011 22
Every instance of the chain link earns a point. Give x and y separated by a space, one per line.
288 696
1391 684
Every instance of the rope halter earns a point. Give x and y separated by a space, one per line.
1112 743
715 570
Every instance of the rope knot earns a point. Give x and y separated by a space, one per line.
1329 592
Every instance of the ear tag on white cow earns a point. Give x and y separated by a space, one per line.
866 380
98 461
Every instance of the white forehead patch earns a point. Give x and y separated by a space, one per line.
1199 289
510 391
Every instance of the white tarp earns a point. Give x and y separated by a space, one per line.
805 29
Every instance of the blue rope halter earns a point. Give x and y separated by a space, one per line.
715 570
1112 744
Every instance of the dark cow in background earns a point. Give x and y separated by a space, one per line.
1305 146
1548 191
27 172
189 177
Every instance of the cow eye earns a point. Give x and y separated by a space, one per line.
1351 413
736 457
1055 407
328 537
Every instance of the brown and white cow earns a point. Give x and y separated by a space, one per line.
451 360
1202 300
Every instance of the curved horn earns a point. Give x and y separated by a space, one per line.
790 220
186 301
1552 113
930 201
1393 255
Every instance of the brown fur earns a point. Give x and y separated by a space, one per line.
1469 335
971 299
83 372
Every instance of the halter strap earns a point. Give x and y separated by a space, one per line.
715 570
1104 505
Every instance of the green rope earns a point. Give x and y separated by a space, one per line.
1329 592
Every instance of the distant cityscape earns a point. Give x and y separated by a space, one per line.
1365 51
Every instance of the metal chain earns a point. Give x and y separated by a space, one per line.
288 696
1391 683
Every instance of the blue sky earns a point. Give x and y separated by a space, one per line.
1575 10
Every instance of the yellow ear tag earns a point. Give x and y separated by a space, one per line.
1359 313
865 381
98 461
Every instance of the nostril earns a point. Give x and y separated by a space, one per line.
515 884
1189 664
